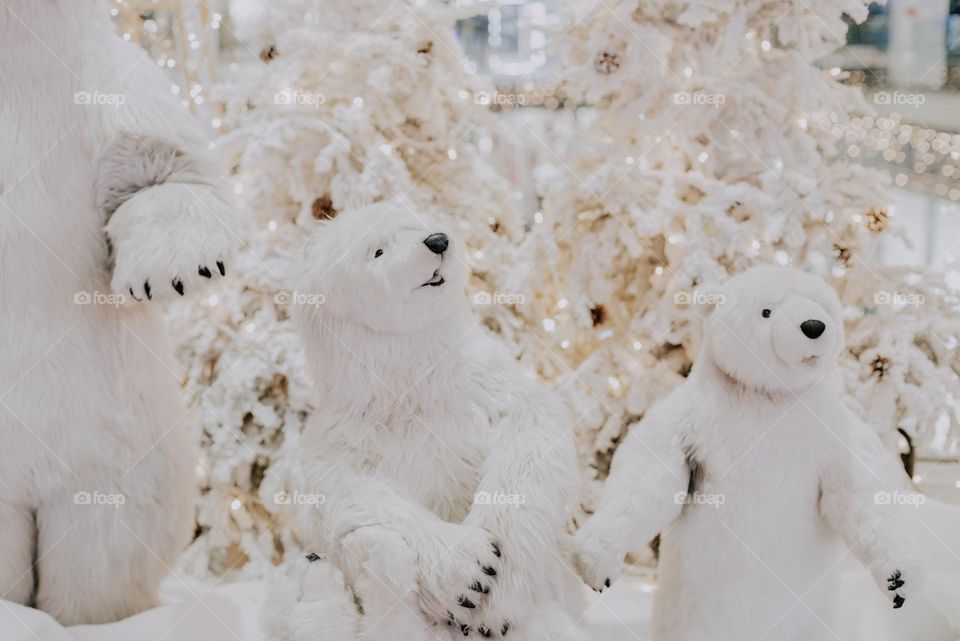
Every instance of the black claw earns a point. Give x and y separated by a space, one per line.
450 618
146 288
313 556
504 629
134 295
489 571
465 602
496 550
895 584
223 270
465 629
476 586
898 602
205 272
178 285
606 582
484 631
896 575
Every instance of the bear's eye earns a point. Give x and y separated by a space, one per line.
765 313
378 253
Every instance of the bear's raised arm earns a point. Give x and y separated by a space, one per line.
858 488
371 525
352 500
648 477
527 486
529 478
162 193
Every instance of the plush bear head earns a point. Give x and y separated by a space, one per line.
386 267
775 328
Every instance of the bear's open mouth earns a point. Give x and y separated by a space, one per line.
436 280
810 360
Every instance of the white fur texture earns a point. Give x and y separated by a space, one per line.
421 413
760 431
96 471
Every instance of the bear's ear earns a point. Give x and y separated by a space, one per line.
706 298
703 301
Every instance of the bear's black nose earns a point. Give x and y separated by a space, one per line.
437 243
812 328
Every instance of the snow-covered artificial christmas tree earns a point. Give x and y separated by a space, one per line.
716 143
350 102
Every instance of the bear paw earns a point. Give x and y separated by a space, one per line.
459 567
597 560
167 240
379 557
311 605
898 581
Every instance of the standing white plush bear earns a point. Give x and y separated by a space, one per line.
440 475
747 472
109 201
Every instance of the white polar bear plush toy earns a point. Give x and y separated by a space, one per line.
108 204
747 472
446 474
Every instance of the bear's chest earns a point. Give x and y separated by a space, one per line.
757 495
436 454
758 458
44 111
49 229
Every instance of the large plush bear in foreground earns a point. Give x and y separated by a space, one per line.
109 203
750 473
442 475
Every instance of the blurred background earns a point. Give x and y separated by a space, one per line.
905 57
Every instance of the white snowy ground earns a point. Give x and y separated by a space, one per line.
230 612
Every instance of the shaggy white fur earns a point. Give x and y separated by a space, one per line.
95 467
443 473
749 471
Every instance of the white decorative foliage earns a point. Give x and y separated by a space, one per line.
716 144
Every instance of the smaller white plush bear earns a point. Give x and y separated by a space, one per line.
441 475
749 471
